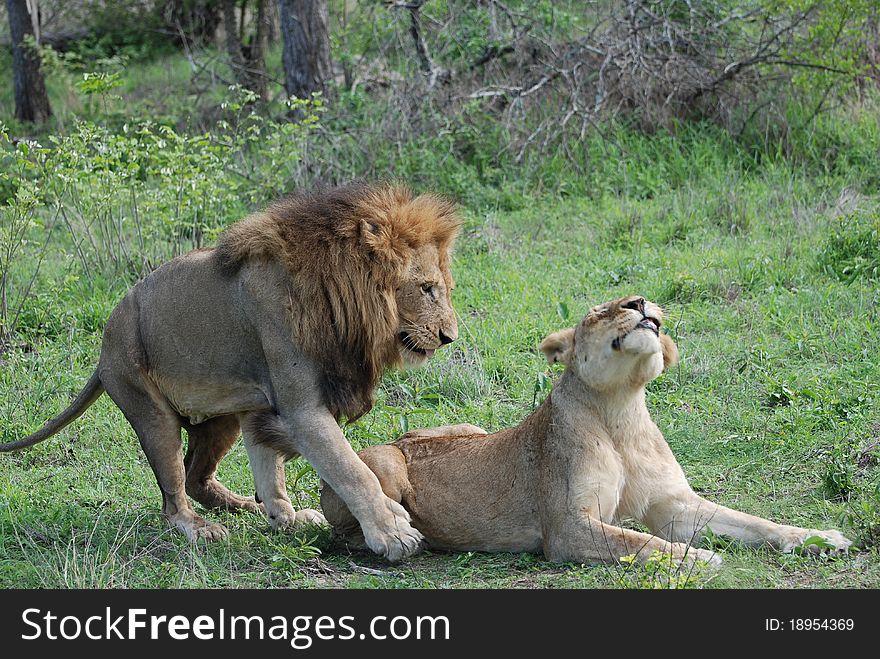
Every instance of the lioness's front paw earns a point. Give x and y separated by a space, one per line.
830 541
309 516
393 537
695 554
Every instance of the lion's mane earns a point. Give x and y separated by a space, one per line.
346 250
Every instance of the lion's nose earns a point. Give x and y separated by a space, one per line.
636 304
445 339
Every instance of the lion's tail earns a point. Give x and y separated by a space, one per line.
87 396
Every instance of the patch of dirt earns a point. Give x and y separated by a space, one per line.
849 201
868 455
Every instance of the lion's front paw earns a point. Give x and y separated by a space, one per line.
817 542
196 528
281 514
393 537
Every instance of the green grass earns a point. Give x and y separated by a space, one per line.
777 387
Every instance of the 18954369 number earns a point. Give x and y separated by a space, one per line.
824 624
809 624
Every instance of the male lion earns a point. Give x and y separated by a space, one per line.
588 456
283 328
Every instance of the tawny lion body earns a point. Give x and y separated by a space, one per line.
559 482
281 330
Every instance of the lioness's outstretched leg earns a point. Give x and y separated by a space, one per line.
584 539
158 429
267 466
686 516
208 443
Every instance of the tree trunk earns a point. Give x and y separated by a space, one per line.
306 52
31 101
241 18
233 42
432 73
248 62
189 20
415 29
256 55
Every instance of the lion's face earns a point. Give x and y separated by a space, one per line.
618 344
424 305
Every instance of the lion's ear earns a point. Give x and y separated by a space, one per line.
670 351
376 236
384 242
558 346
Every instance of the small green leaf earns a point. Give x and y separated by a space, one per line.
542 383
816 541
562 310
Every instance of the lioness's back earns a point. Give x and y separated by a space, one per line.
464 492
470 492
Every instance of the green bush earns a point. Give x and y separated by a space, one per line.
127 201
852 251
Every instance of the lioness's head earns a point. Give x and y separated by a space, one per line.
617 344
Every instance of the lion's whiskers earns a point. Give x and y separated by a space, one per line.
408 330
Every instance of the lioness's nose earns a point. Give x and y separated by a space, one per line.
445 339
636 304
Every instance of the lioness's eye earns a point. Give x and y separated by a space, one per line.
427 288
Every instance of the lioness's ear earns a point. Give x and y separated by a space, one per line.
558 346
670 351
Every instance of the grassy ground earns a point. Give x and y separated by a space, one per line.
772 410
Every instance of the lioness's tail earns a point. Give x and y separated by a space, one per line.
86 397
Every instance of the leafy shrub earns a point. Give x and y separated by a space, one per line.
130 200
852 251
661 571
864 517
838 478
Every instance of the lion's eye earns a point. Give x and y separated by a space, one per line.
427 288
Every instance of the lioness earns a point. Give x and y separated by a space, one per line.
588 456
282 329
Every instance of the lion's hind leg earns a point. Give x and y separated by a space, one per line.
208 443
157 427
389 465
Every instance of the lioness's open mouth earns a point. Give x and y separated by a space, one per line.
410 345
650 323
647 323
